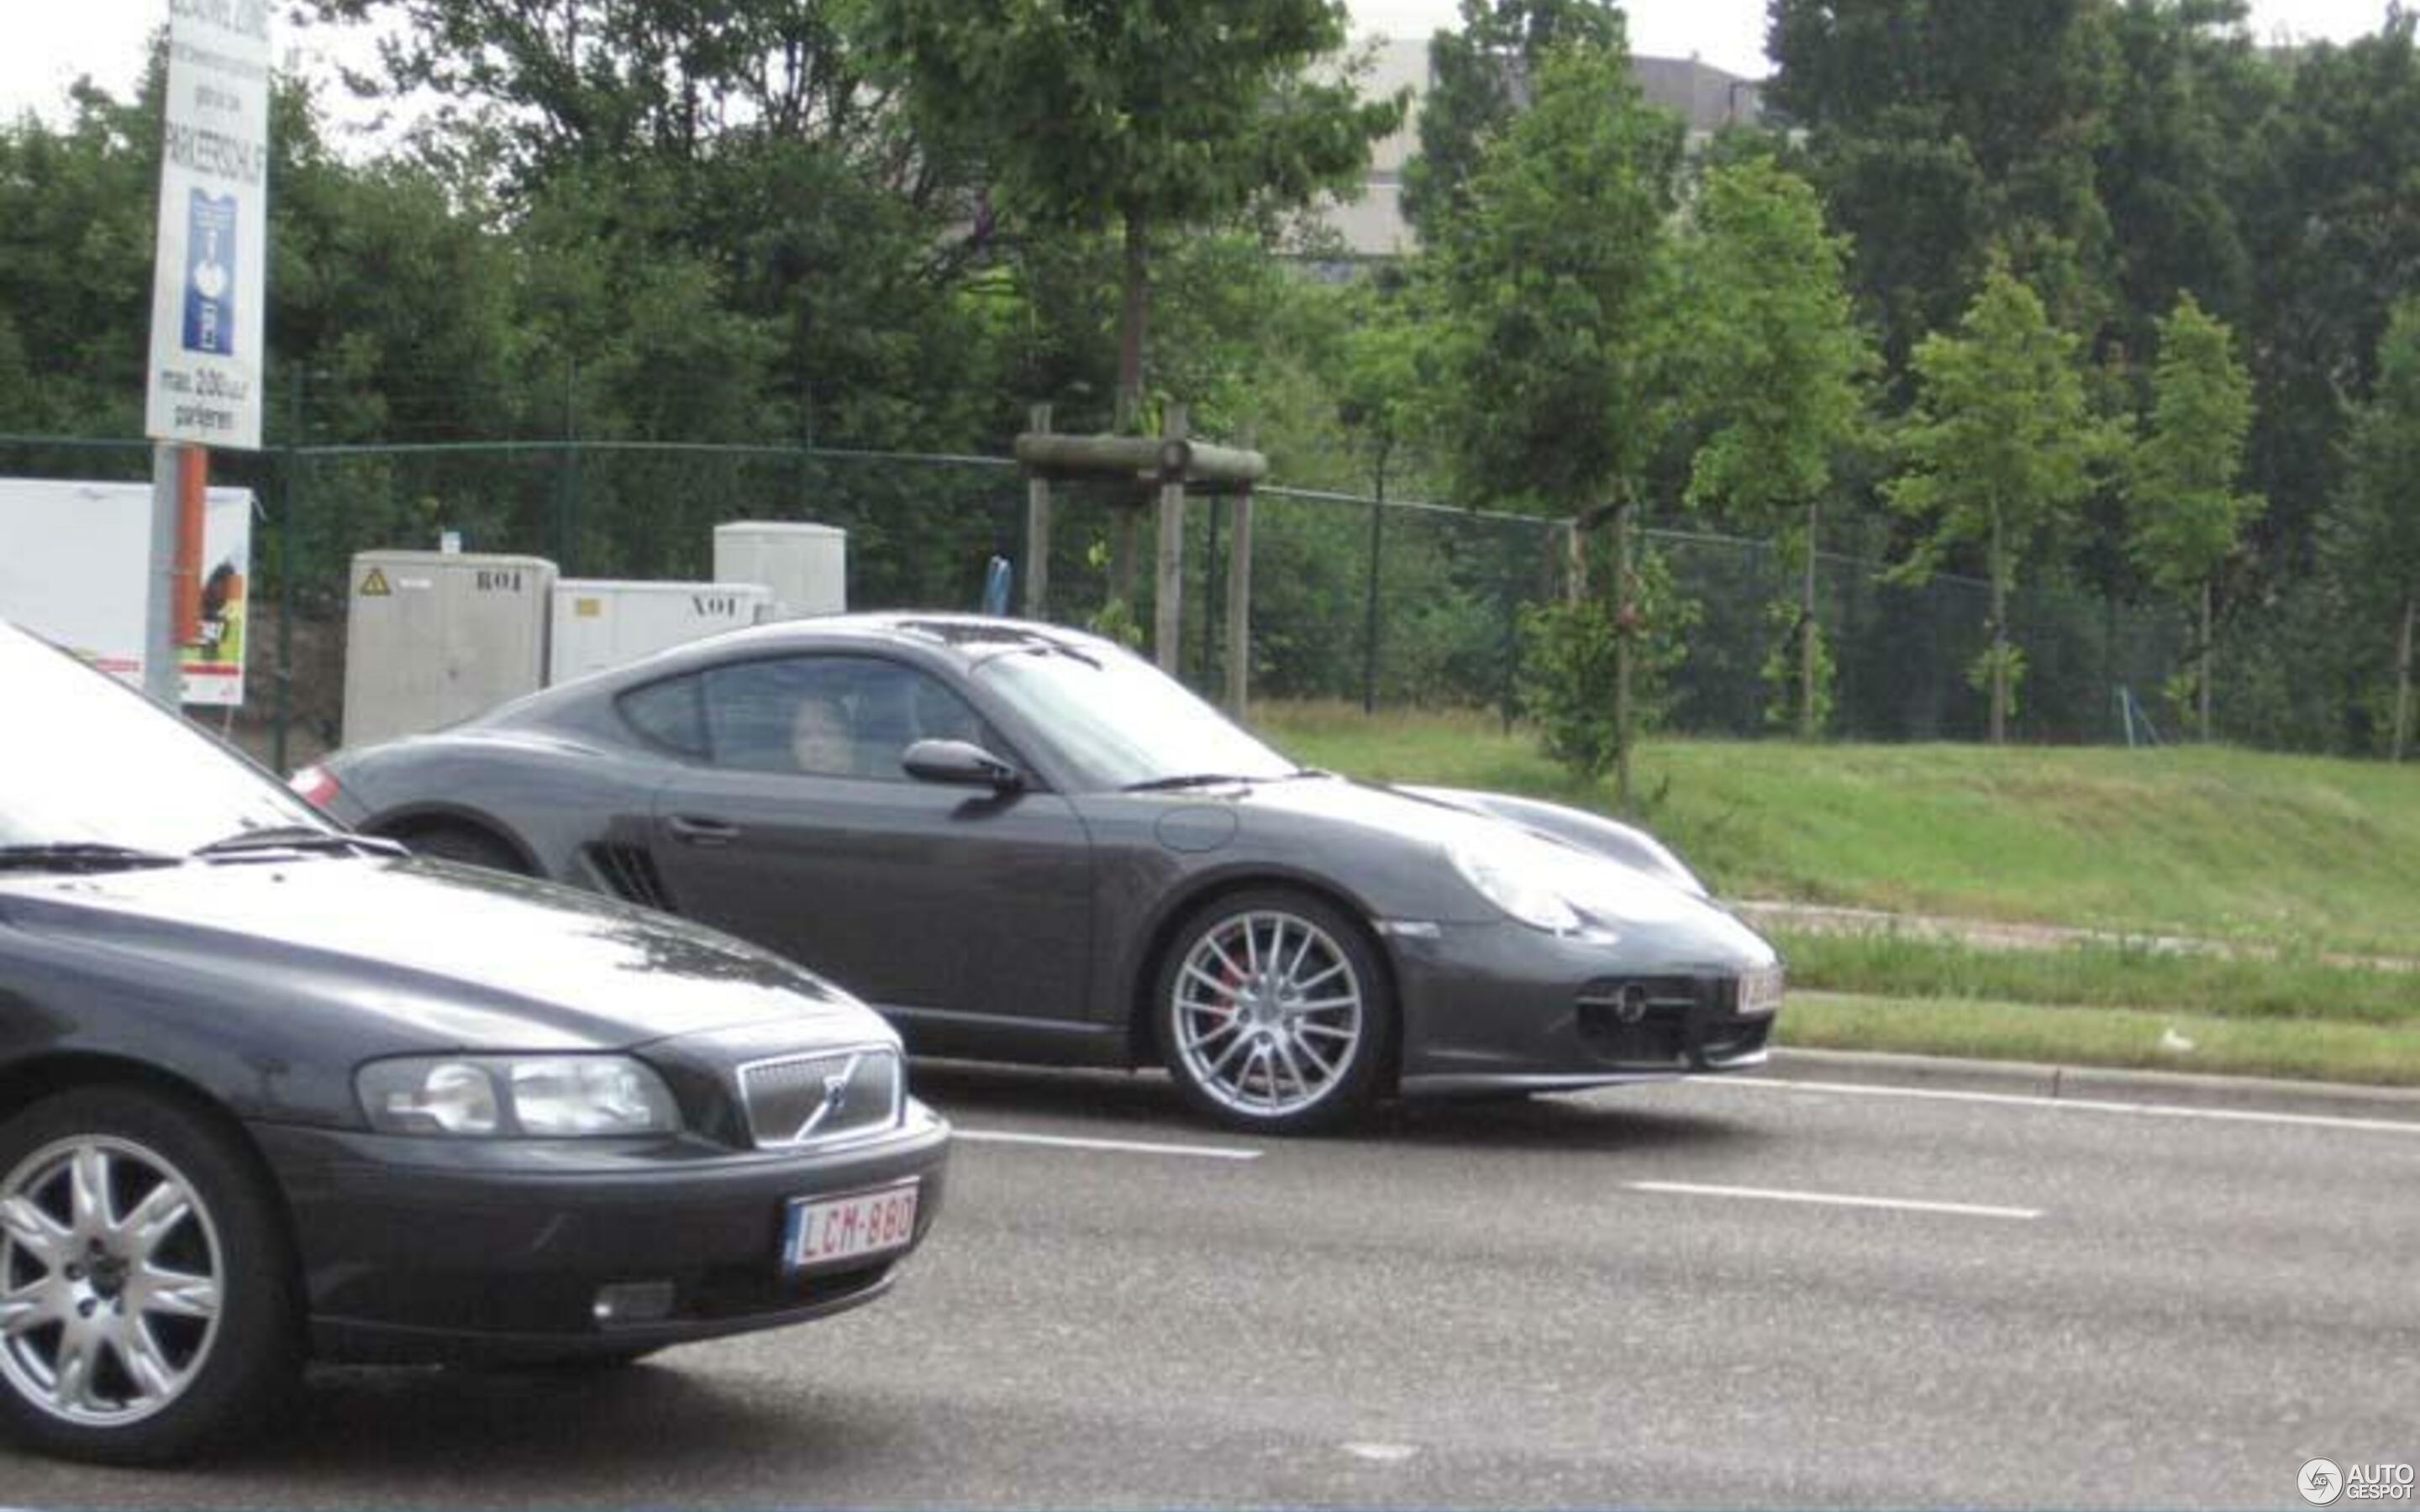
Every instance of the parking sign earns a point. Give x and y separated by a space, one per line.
206 300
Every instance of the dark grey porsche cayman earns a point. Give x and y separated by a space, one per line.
1022 842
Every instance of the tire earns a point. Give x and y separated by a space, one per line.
1274 1013
98 1187
464 845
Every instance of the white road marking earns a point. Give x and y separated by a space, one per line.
2081 1105
1123 1147
1383 1454
1962 1210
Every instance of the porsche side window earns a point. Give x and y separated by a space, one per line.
765 715
669 714
830 716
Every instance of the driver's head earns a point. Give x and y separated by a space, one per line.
819 735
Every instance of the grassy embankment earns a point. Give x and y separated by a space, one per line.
2296 867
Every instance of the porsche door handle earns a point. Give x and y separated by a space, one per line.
691 831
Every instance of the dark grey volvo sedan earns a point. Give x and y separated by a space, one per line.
1023 843
270 1091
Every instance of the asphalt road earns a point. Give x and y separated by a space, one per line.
1650 1296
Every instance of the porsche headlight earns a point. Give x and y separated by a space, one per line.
1505 877
541 1097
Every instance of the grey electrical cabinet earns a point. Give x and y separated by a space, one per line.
435 637
598 624
806 566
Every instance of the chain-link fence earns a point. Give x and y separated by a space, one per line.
1386 604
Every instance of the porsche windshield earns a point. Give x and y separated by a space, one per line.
94 766
1124 724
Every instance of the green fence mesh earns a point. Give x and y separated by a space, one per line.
1392 604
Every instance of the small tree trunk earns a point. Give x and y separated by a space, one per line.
1167 597
1807 637
1239 609
2403 675
1999 639
1134 324
1037 528
1625 612
2208 657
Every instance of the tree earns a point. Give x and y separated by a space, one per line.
551 82
2374 526
2181 479
740 177
1385 375
1997 451
2333 230
1550 281
1477 76
382 284
76 206
1940 131
1775 365
1144 115
2189 94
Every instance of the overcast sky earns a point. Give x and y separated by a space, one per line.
61 40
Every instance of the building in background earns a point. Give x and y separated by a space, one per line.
1706 98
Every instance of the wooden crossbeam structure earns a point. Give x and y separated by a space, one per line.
1174 467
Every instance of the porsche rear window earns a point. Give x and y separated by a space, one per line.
668 712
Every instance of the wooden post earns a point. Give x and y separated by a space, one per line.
1239 605
1134 320
1575 563
1168 607
1037 528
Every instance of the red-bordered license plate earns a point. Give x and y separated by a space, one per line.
827 1231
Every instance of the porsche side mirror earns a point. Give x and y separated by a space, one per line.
958 763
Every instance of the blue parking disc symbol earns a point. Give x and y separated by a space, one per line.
209 273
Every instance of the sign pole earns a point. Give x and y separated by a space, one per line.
208 300
163 677
193 518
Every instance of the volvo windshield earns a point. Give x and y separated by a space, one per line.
93 774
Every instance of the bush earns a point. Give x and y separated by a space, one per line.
1569 662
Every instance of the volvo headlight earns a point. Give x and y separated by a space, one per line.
1513 882
540 1097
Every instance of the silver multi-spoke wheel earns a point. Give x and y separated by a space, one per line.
110 1281
1269 1014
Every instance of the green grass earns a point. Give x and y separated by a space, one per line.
2359 1053
2101 975
2301 853
2299 856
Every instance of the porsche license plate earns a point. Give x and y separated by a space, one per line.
821 1232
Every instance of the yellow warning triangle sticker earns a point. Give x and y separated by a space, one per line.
374 586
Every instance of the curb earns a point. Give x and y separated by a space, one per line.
2027 1078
